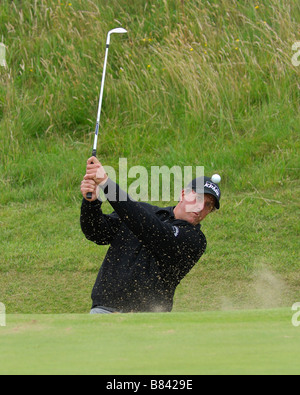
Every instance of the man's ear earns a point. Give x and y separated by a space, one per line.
182 196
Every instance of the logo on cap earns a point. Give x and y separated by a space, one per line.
212 186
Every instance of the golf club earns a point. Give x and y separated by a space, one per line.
94 153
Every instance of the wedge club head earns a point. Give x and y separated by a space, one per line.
118 30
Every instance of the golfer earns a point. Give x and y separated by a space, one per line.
151 248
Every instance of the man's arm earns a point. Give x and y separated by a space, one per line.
97 227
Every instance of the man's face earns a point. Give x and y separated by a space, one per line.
194 207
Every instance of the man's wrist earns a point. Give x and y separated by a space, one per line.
102 183
92 203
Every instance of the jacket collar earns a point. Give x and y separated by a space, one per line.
170 212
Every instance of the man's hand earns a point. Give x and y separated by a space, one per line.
95 171
89 186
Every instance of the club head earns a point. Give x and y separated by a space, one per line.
119 30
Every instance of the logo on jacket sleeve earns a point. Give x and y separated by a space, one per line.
175 230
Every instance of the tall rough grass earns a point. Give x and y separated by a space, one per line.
194 83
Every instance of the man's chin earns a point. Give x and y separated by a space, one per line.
194 219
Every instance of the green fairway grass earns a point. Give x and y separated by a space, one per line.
240 342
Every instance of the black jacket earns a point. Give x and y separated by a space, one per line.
150 252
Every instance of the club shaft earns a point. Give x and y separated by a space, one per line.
89 194
101 99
